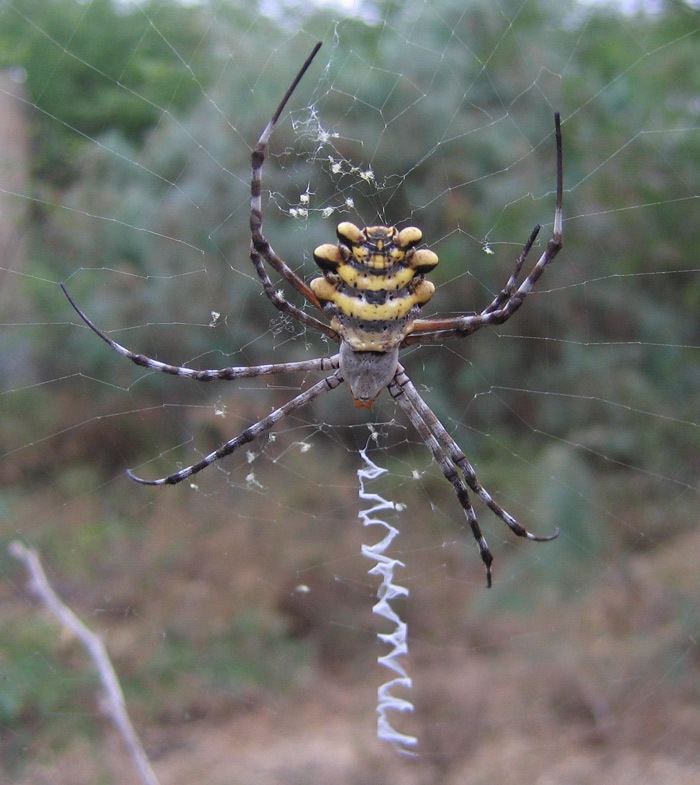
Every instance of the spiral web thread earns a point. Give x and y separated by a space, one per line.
386 592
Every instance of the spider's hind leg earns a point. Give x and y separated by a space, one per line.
250 433
460 460
449 470
450 458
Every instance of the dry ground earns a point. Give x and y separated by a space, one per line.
600 687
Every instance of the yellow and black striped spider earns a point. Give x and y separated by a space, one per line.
372 289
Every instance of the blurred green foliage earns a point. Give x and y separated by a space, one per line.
97 67
254 652
37 685
198 201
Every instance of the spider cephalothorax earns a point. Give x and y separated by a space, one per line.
372 289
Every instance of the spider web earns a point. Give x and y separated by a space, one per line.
237 607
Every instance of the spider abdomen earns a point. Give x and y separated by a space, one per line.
373 285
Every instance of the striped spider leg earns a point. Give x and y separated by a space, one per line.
232 372
207 375
250 433
260 248
510 298
454 465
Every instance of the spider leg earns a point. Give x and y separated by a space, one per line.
260 248
460 460
282 304
510 298
397 391
232 372
329 383
508 290
448 454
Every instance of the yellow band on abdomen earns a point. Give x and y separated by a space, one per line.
357 308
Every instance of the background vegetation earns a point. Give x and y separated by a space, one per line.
582 413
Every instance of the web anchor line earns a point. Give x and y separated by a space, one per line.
386 592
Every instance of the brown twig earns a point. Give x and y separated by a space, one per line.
114 704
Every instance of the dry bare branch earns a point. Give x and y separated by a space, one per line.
114 704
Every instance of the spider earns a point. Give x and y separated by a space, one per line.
372 288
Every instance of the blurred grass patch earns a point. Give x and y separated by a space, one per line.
563 497
39 694
254 653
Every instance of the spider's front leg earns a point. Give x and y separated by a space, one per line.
260 249
509 289
510 298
